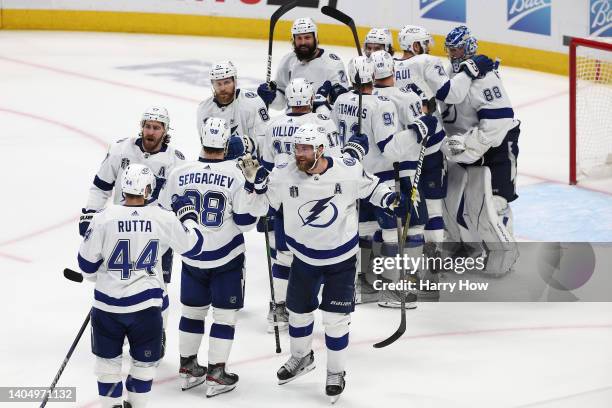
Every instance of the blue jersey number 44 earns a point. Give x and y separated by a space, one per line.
119 260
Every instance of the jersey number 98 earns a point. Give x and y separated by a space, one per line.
210 205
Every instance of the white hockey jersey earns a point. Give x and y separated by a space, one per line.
122 251
326 67
486 106
409 108
246 115
278 142
120 155
379 122
217 190
319 211
428 73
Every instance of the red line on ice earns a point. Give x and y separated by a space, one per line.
369 342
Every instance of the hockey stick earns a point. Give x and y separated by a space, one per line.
273 20
76 277
400 250
73 275
343 18
402 240
272 297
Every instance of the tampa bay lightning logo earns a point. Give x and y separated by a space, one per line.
318 213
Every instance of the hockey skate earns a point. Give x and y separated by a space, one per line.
295 367
191 373
334 385
282 317
219 381
393 298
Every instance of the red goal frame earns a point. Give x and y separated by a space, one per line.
574 43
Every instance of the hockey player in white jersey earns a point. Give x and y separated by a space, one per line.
483 140
121 252
387 144
151 148
277 149
325 70
378 39
432 182
416 66
318 195
243 110
214 276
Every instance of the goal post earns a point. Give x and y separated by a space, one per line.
590 76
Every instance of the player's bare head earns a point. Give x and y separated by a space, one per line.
154 126
304 38
223 76
415 40
214 136
309 145
361 71
378 39
460 45
137 182
299 94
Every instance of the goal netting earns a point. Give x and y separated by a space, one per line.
590 109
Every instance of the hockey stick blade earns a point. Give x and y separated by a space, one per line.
73 275
343 18
398 333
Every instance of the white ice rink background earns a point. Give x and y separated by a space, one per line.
65 96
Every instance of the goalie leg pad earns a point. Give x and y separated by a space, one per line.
457 180
483 219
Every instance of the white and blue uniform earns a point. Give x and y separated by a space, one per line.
387 144
321 227
215 275
121 251
432 183
495 145
121 154
277 149
428 73
246 115
326 66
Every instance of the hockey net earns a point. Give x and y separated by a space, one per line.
590 108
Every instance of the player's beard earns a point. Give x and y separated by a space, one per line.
304 52
151 144
305 164
225 98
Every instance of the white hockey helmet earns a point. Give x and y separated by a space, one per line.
305 25
136 179
380 36
222 70
158 114
411 34
214 133
362 65
299 92
311 134
384 66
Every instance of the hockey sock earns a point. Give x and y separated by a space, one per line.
221 335
110 386
300 332
434 229
336 339
191 329
139 382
